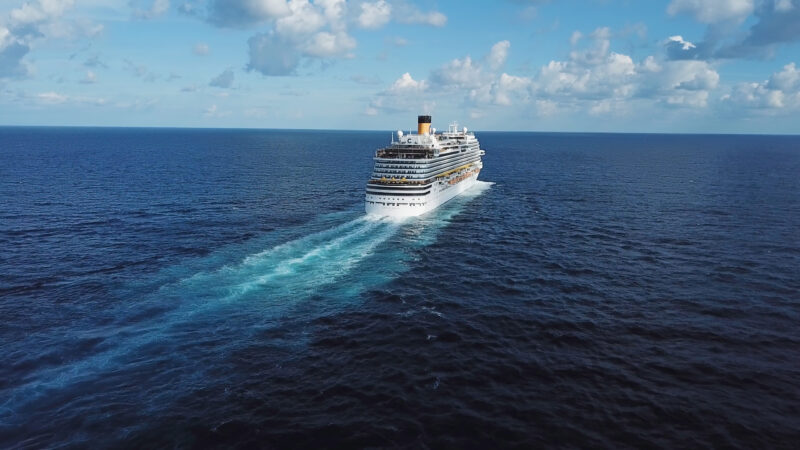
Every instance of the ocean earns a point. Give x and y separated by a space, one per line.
223 288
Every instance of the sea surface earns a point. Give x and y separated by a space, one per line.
177 288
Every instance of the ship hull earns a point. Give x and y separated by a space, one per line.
439 196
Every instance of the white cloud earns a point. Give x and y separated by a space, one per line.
304 19
39 11
407 84
213 111
713 11
325 44
786 80
31 22
779 94
409 14
157 8
374 15
459 74
51 98
201 48
405 94
685 45
593 80
575 38
783 5
508 86
498 54
310 31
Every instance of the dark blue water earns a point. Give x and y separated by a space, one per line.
194 288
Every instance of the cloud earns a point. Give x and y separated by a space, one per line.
301 32
309 32
95 62
90 78
404 94
478 81
593 79
678 48
223 80
24 25
786 80
325 44
575 38
140 71
240 13
772 23
459 74
51 98
498 54
11 63
271 56
779 94
201 49
410 14
778 22
146 10
374 15
713 11
398 41
213 111
304 19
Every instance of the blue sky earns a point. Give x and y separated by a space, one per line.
539 65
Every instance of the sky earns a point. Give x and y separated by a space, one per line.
674 66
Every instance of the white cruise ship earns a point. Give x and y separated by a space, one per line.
419 172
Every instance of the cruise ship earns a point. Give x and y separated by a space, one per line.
419 172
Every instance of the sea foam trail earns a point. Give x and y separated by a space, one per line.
268 282
280 275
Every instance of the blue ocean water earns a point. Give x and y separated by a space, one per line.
195 288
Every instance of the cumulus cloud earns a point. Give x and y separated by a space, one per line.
301 31
22 27
310 31
409 14
478 81
713 11
223 80
498 54
593 79
325 44
404 94
32 22
459 74
779 94
374 15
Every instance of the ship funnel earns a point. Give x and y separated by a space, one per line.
423 124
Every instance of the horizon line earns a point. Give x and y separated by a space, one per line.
393 131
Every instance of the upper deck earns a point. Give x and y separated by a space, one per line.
427 146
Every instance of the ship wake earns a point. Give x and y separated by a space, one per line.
225 300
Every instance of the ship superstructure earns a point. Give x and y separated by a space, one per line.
419 172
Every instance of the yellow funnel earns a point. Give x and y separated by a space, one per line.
423 124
